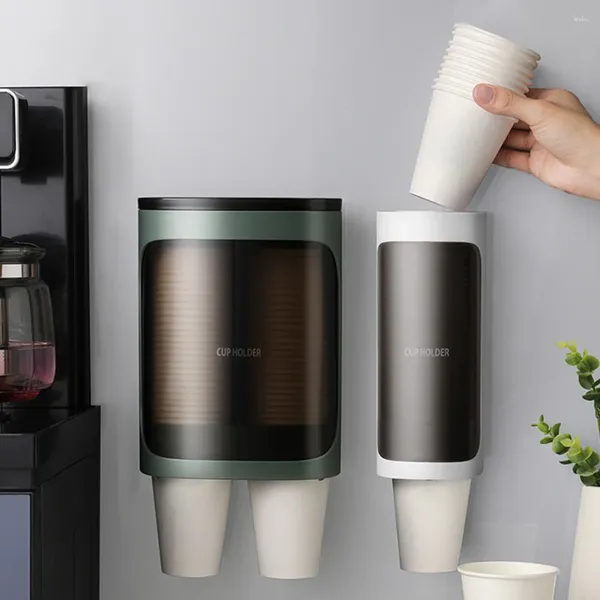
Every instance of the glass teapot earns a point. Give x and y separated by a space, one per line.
27 357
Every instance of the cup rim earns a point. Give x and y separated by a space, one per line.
485 54
456 52
489 79
459 55
459 82
468 27
541 570
487 46
460 93
429 212
483 47
501 44
450 68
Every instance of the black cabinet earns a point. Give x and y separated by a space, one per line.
49 504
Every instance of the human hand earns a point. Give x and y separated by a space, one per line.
555 139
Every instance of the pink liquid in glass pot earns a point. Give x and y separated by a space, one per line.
25 370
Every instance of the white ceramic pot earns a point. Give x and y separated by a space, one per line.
585 574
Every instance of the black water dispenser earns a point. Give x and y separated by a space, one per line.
49 431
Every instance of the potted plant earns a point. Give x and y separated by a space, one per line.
585 463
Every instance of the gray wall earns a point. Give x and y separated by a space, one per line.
323 97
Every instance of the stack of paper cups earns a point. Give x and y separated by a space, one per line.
460 139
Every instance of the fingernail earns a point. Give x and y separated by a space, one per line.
483 93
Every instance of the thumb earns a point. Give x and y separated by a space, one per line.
501 101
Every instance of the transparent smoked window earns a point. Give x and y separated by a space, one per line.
239 349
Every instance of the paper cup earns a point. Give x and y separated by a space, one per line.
459 143
487 43
504 74
469 81
487 49
465 57
493 38
289 517
191 515
508 581
461 92
430 521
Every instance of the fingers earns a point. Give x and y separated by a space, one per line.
513 159
521 125
537 93
519 140
560 97
501 101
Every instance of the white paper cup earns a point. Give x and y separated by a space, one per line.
289 517
487 41
457 90
469 81
461 92
430 522
466 57
191 515
492 38
508 581
500 73
459 143
487 49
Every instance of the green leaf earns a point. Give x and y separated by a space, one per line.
573 359
575 469
591 362
586 471
558 446
562 344
567 443
543 427
541 420
575 455
587 452
555 430
546 440
572 346
594 459
590 481
585 353
576 443
565 462
586 381
592 395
